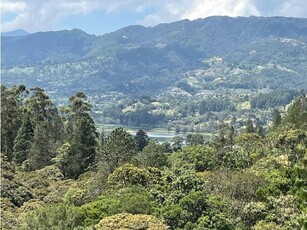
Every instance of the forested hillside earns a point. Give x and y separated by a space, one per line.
178 75
60 172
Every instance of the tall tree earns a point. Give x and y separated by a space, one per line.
276 119
82 149
120 148
41 151
141 139
11 117
47 127
23 140
80 134
296 116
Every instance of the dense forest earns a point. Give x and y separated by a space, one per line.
60 172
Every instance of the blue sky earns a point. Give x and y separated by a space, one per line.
102 16
98 22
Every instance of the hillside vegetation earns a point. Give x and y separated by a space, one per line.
170 74
60 172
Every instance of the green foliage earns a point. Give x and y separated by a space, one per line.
76 155
265 225
249 126
278 183
215 105
82 151
177 143
253 212
284 212
11 117
234 185
273 99
40 152
8 214
53 217
141 139
225 136
127 221
195 139
47 127
199 157
15 192
102 207
276 119
141 117
22 141
119 149
292 142
134 200
296 116
152 155
239 181
252 147
196 211
129 174
74 197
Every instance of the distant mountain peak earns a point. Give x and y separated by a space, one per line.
18 32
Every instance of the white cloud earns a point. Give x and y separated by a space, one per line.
207 8
12 7
193 9
34 15
295 8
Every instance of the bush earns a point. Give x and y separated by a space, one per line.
127 221
53 218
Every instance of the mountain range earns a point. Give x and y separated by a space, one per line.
18 32
259 54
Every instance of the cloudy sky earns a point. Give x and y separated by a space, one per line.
102 16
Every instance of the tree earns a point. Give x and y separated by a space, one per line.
40 152
251 143
119 149
153 155
47 126
276 119
195 139
200 157
167 148
177 143
81 135
289 139
296 115
23 140
128 174
225 136
78 107
249 126
59 216
141 139
82 150
11 117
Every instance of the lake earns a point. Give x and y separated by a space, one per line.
160 134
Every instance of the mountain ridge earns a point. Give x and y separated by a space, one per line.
18 32
178 64
208 31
